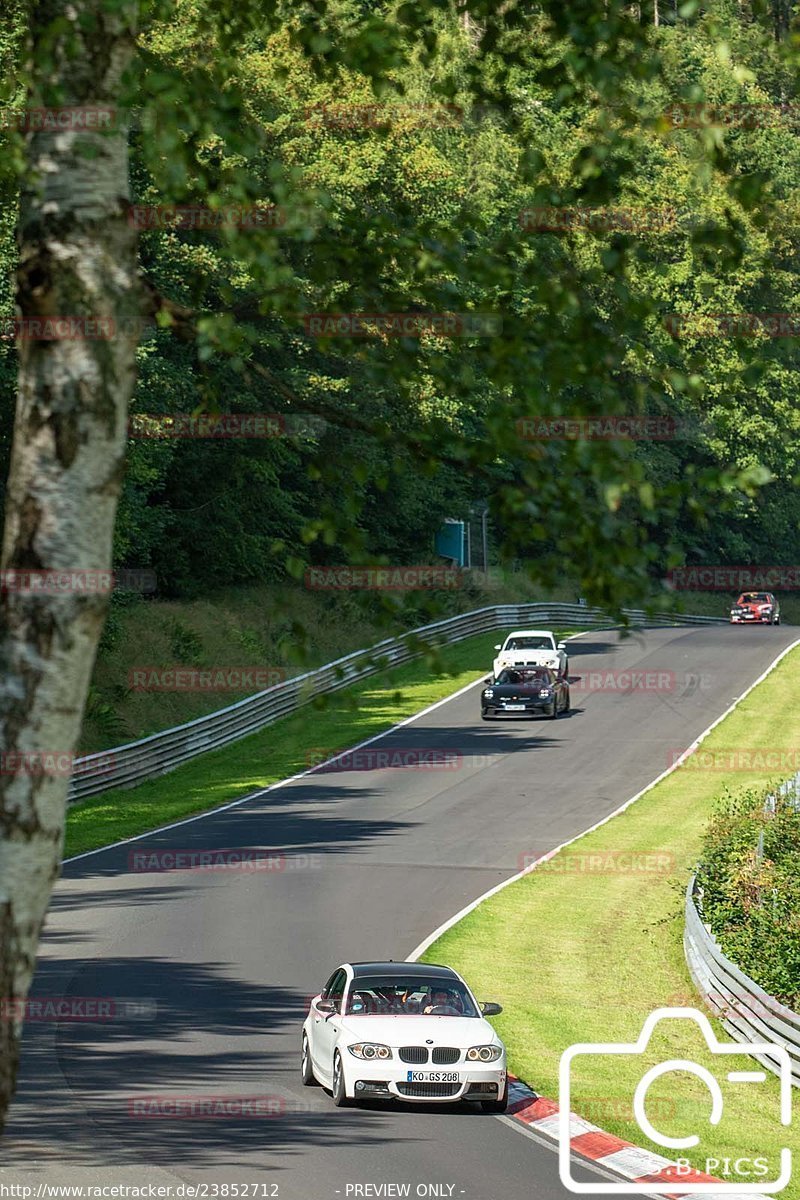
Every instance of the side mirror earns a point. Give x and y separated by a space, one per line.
499 646
561 646
490 1009
326 1006
489 680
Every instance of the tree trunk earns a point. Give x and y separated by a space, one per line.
77 260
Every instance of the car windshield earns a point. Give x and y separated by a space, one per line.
541 678
754 598
409 996
528 643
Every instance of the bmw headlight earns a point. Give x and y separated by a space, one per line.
484 1053
370 1050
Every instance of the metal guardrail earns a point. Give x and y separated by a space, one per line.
747 1012
131 764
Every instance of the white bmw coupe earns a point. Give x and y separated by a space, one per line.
403 1031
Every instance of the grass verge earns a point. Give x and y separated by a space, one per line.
585 947
279 750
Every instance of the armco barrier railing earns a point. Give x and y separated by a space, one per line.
126 766
747 1012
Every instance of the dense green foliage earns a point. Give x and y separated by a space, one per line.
751 897
484 114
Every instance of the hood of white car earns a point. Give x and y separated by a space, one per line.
542 657
462 1032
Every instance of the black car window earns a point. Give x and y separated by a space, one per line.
334 988
409 996
529 643
540 678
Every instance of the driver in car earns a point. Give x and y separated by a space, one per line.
444 999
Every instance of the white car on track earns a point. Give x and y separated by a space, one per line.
403 1031
532 648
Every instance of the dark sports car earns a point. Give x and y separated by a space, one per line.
525 692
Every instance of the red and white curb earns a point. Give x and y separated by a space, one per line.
592 1143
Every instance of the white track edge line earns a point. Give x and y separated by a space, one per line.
447 925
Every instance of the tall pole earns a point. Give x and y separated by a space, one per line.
485 540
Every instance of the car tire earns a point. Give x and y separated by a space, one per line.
306 1070
554 713
496 1106
340 1097
567 705
484 715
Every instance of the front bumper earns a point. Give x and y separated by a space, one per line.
394 1075
530 706
751 618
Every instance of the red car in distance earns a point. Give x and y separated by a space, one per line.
756 608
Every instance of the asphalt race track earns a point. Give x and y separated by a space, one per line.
223 962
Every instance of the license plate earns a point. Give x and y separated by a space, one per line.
432 1077
515 707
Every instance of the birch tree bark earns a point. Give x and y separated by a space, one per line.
77 261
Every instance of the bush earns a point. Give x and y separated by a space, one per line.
751 899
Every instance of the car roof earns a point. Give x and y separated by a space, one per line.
531 633
421 970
